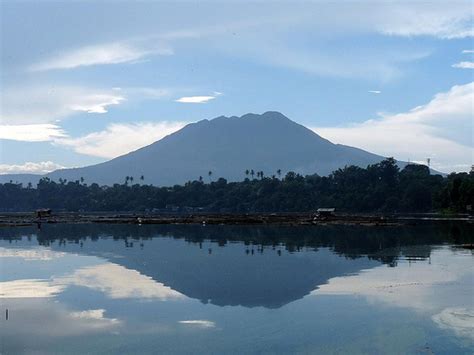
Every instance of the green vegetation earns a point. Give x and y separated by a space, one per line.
381 187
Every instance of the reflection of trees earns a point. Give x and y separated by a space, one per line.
385 244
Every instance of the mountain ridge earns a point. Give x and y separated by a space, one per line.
226 146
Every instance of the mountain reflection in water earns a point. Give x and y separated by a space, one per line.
114 279
235 265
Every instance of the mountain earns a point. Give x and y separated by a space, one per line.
227 146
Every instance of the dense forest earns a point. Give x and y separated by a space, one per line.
381 187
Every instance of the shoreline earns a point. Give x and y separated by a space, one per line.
17 219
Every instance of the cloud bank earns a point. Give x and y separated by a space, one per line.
47 104
118 282
32 114
115 281
440 130
31 132
437 19
30 168
427 287
118 139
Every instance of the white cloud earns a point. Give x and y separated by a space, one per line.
42 167
440 129
42 254
403 286
109 53
437 19
96 103
118 138
29 288
95 318
115 281
464 65
32 113
460 320
61 322
118 282
197 99
439 287
31 132
199 323
466 51
48 104
375 91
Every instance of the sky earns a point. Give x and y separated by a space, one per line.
85 81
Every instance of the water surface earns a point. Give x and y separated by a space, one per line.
223 289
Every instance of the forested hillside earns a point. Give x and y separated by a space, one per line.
381 187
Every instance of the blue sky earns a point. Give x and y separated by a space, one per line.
83 82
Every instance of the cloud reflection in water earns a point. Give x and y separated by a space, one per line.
441 286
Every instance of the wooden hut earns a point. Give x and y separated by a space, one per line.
43 212
325 212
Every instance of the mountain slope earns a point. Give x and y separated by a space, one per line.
227 146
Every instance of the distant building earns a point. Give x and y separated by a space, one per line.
325 212
43 212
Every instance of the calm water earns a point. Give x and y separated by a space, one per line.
221 289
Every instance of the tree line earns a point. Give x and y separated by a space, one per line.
381 187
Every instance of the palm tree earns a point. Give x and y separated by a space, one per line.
200 178
247 172
210 174
82 179
142 178
126 179
279 173
252 173
131 180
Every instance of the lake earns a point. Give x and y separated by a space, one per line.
77 289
